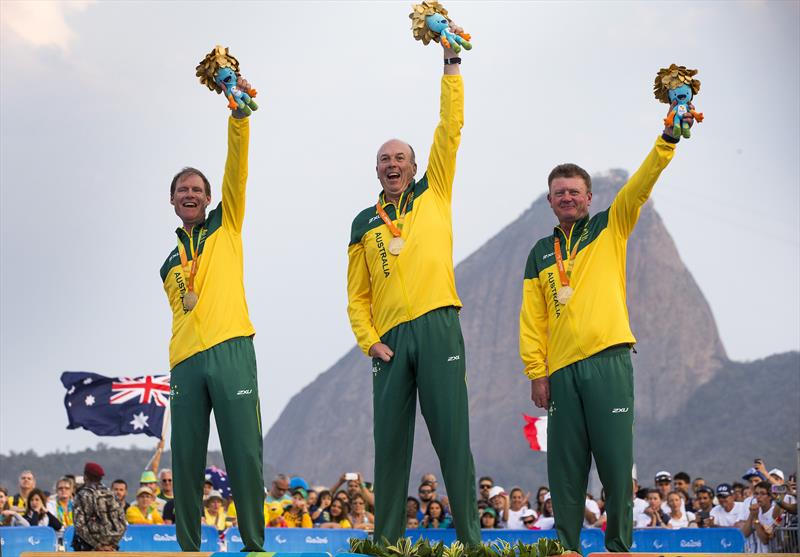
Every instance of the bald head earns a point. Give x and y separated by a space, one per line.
396 167
397 145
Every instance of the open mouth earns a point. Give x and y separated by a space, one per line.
190 204
393 175
681 97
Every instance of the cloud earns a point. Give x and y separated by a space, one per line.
42 23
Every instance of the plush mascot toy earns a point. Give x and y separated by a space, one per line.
219 71
677 87
429 21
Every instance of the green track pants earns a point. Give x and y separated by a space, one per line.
591 413
224 378
429 359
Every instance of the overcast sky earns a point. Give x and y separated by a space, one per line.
99 107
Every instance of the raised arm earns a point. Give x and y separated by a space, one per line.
447 137
235 179
629 200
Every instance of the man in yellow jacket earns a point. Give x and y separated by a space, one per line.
403 308
575 342
211 353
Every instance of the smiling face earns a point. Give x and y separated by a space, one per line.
516 499
682 94
190 200
396 167
336 508
570 199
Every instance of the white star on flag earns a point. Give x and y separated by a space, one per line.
89 400
71 390
87 381
139 421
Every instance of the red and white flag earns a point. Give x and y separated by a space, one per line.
535 431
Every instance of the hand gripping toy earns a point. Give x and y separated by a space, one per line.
429 21
677 87
219 71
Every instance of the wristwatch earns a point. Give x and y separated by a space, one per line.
451 61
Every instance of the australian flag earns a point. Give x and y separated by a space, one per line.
116 405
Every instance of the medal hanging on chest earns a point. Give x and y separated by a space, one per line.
190 297
397 242
565 292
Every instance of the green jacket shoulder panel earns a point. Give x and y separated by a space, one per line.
368 219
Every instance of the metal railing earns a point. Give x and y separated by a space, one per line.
784 540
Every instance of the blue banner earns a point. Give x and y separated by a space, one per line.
16 539
299 540
688 540
144 537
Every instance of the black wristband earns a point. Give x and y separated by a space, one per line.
669 139
451 61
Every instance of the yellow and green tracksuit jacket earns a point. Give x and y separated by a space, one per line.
221 310
384 290
553 336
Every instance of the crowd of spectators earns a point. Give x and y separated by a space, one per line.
764 501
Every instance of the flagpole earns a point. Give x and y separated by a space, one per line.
155 462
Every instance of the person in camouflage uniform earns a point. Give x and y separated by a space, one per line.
99 517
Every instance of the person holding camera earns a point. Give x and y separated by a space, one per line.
704 497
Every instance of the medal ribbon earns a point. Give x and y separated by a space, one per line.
195 259
565 275
395 230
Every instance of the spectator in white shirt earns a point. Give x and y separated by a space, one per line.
517 504
760 520
729 513
679 517
545 521
591 513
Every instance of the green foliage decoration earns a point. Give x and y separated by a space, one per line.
404 547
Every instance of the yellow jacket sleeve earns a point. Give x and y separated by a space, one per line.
447 137
235 178
359 298
134 516
533 329
627 204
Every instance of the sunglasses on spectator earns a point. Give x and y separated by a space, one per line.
166 480
486 486
425 491
528 522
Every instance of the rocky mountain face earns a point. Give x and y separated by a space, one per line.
684 380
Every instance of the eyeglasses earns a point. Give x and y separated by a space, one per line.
425 491
166 480
486 486
528 522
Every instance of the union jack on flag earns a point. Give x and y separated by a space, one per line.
116 405
149 389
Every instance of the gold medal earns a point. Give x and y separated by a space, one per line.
189 300
396 245
564 294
